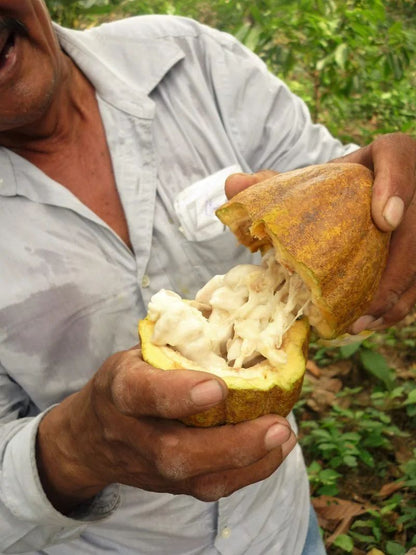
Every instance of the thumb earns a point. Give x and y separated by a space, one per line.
139 389
237 182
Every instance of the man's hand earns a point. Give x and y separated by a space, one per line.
122 428
393 160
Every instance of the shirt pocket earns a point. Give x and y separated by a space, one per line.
209 246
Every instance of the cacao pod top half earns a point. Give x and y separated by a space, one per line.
318 219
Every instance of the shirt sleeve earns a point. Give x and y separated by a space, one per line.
28 521
271 126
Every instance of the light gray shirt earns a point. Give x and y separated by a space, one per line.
182 106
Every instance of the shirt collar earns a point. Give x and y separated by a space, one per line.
123 85
123 72
8 185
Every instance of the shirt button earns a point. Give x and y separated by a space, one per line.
226 533
145 281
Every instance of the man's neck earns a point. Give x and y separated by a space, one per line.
60 124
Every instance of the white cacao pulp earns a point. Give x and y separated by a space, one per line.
236 319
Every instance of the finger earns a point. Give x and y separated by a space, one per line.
213 486
399 310
236 182
138 389
392 157
179 452
399 276
394 179
396 294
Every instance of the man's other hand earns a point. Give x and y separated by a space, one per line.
122 427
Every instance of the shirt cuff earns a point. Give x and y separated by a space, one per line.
23 493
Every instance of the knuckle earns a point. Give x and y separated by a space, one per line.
400 310
126 377
401 298
169 459
391 299
121 390
111 435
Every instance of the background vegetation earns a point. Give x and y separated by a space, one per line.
353 62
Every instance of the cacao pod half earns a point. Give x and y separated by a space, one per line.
252 392
315 223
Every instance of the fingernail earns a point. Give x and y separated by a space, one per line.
207 393
276 435
393 211
362 324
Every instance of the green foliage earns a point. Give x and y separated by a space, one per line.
358 436
352 61
80 13
334 51
343 440
324 481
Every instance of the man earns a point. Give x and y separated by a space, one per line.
101 132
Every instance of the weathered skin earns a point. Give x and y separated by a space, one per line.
319 221
247 398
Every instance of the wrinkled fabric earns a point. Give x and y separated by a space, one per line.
179 102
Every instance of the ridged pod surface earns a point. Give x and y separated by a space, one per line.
319 221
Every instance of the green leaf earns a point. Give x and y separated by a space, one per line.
344 542
242 32
322 63
328 490
252 38
362 524
327 447
322 434
341 55
364 538
366 458
411 398
404 519
347 351
394 548
376 364
351 436
314 467
350 461
329 475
